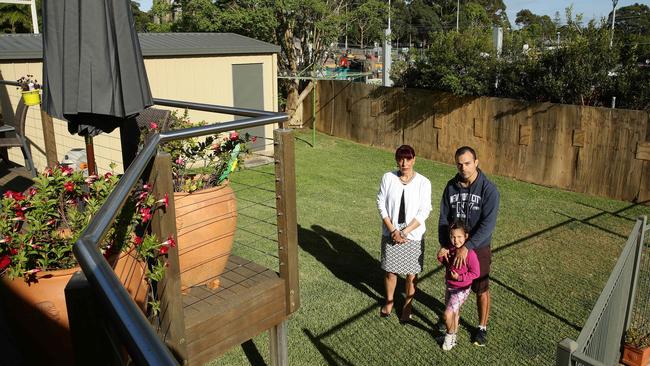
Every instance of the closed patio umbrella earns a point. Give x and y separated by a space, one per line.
92 66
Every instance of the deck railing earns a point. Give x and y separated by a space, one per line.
134 330
599 342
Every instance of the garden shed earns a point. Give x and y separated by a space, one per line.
215 68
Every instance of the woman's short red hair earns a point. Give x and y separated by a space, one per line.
404 152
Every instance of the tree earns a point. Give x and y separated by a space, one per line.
368 21
141 18
455 62
535 29
632 28
15 18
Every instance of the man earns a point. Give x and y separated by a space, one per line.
471 198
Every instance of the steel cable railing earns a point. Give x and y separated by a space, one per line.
141 341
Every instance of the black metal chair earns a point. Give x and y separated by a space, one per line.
19 140
159 116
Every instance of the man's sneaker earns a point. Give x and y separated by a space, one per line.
480 339
449 343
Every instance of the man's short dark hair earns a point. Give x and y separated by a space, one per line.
464 149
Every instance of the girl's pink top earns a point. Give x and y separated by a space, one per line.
466 273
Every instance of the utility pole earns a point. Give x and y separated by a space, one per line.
457 13
346 27
611 39
386 81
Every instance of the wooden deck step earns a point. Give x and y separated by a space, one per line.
250 300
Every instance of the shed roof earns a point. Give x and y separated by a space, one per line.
29 46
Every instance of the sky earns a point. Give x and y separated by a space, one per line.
589 8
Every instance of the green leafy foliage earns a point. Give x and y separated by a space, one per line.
39 227
200 163
457 62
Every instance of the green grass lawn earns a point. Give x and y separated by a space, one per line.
553 251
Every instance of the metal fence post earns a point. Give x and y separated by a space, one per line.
635 270
564 351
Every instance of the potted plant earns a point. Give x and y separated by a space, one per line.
30 89
206 207
38 229
636 349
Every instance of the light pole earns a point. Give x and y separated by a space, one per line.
611 39
457 13
386 81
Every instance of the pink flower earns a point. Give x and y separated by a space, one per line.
5 261
153 125
32 191
69 186
91 179
6 239
170 241
234 135
107 176
47 172
180 161
146 214
147 187
13 251
254 139
137 240
15 195
164 200
164 249
66 170
143 196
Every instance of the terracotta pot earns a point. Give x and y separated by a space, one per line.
205 222
633 356
38 314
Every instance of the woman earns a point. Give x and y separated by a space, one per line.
404 202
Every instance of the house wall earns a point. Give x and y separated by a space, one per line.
205 79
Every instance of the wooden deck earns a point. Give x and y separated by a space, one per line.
249 300
14 178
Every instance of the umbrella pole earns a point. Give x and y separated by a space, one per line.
90 155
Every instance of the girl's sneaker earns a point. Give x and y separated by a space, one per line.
450 342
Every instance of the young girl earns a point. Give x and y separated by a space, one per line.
458 281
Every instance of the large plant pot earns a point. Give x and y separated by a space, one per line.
38 315
38 318
633 356
205 222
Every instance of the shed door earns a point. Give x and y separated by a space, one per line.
248 92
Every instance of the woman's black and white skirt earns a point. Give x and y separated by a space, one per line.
404 258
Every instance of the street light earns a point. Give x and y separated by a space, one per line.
611 39
458 13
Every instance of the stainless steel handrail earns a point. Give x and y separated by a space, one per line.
141 341
143 344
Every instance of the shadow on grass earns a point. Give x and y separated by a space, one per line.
252 353
350 262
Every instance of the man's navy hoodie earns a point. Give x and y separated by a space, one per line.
476 206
